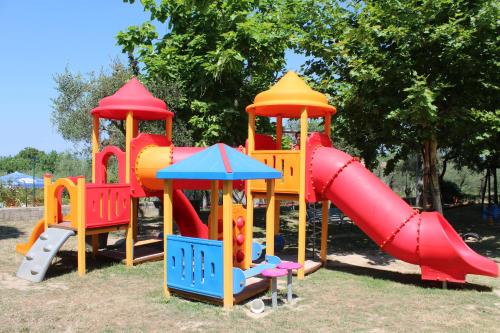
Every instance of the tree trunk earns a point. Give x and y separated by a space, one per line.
443 170
432 191
425 177
495 185
483 189
418 182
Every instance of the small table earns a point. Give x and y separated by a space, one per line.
289 266
273 274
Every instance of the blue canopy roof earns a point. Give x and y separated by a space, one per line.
18 179
219 162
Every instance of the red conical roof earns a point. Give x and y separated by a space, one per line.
133 96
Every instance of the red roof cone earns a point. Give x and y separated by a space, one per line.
133 96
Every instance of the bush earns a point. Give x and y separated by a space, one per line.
17 197
450 192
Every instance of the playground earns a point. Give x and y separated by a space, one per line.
369 292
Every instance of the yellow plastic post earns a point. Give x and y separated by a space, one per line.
249 216
302 194
251 132
95 150
80 208
279 132
277 214
95 244
47 199
129 242
95 142
248 230
227 242
134 217
167 228
324 230
168 128
328 124
279 136
270 214
213 230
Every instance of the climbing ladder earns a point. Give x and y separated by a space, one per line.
38 259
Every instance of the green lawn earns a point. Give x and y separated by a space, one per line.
343 297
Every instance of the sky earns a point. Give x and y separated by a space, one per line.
42 38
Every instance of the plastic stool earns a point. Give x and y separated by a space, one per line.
289 266
273 274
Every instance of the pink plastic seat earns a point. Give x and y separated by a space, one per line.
273 274
289 266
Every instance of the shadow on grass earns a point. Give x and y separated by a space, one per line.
7 232
66 262
403 278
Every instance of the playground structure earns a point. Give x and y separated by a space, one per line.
218 257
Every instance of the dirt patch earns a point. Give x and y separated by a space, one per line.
10 281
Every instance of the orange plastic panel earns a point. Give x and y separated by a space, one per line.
286 161
54 201
239 231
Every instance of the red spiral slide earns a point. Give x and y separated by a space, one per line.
424 239
186 218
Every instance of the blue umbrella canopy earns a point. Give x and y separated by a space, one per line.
19 179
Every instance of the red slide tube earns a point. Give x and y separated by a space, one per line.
425 239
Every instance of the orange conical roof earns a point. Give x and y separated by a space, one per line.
133 96
288 97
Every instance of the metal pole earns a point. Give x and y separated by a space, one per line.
34 165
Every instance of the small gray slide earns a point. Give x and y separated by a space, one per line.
38 259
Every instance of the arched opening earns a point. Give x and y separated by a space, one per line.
111 167
62 197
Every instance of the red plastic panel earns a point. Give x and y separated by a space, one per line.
107 205
139 143
101 163
264 142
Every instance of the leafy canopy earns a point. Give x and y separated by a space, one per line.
220 53
405 72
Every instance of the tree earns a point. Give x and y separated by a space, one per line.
221 53
406 75
79 94
23 161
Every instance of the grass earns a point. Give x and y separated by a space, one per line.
379 295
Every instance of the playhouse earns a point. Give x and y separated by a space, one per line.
215 260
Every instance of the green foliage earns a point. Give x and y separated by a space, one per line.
79 94
450 191
220 53
402 71
70 165
24 160
59 164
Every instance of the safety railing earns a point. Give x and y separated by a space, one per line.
195 265
286 161
53 200
106 205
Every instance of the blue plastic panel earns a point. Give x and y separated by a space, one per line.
256 250
195 265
